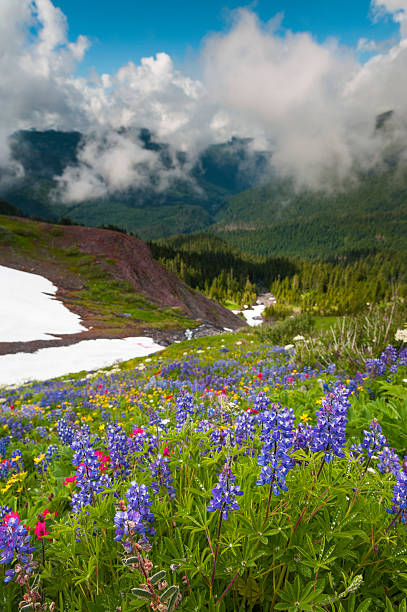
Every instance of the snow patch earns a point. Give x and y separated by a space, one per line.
85 355
29 310
253 315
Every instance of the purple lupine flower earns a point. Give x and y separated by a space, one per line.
245 428
4 469
81 443
162 477
389 461
136 517
274 458
127 525
15 544
185 408
326 387
12 465
4 510
65 432
154 418
119 446
218 438
399 499
261 403
142 442
90 476
373 440
41 431
388 359
389 355
17 460
203 426
17 426
90 480
4 442
224 494
329 433
303 437
43 461
402 358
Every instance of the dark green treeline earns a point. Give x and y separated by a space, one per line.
339 285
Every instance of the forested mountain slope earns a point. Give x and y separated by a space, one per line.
229 189
276 219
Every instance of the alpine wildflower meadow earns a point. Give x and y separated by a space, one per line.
220 477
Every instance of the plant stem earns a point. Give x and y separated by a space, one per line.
217 549
297 524
268 503
366 468
393 521
368 553
320 469
228 587
280 580
205 578
209 542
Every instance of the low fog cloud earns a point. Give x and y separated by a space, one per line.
313 105
112 162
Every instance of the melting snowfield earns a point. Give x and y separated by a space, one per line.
29 311
253 315
85 355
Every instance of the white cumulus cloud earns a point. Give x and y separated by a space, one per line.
36 85
313 104
396 8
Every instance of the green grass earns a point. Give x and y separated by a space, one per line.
231 305
211 345
324 323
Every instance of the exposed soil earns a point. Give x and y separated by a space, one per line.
123 258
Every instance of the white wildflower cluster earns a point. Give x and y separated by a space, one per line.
401 335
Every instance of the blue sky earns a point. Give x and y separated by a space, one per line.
123 30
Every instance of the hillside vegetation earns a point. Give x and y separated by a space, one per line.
281 220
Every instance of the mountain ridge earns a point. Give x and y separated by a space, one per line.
272 218
189 202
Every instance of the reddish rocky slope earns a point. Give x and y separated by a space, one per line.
43 248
